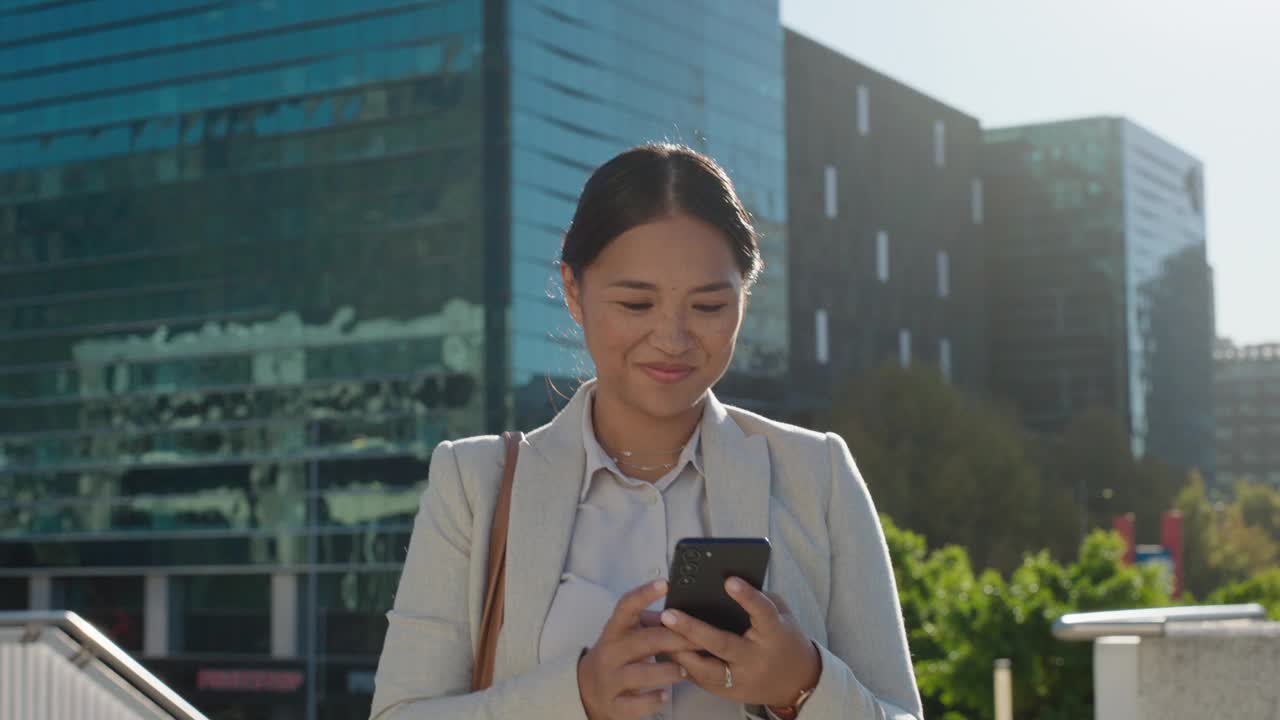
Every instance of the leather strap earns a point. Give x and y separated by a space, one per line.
491 616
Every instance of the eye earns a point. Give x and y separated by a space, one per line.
710 308
636 306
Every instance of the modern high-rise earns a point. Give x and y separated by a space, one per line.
258 258
1100 293
885 226
1246 389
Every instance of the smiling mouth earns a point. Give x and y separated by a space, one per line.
667 374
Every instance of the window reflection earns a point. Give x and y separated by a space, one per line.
112 604
14 593
241 307
352 611
220 614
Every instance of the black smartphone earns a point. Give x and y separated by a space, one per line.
699 568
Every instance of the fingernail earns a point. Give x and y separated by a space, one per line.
668 618
664 696
683 673
734 585
660 586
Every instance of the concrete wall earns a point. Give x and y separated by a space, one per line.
1197 670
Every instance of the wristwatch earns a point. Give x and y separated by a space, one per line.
789 712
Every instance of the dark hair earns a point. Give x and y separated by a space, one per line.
648 182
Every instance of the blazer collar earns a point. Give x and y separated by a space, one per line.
544 501
598 459
737 475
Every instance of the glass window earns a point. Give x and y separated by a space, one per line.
944 358
821 344
882 255
14 593
944 274
220 614
829 190
939 143
352 610
112 604
976 200
864 111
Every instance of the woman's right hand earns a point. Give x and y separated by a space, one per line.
616 678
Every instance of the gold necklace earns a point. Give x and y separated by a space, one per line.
624 458
643 468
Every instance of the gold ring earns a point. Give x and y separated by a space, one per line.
728 677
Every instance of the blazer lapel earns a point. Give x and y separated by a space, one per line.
737 476
544 503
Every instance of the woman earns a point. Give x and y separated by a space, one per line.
656 266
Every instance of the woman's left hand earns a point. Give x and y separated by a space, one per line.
771 664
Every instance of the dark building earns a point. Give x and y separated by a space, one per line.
258 258
885 222
1247 413
1100 291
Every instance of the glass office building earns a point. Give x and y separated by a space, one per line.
589 79
1100 291
257 258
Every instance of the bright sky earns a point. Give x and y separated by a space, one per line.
1203 75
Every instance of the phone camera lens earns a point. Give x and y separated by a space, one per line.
685 580
688 569
691 555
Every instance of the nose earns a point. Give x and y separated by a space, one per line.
671 334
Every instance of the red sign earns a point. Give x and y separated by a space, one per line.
1126 525
1171 538
275 681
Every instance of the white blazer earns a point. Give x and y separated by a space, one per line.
800 488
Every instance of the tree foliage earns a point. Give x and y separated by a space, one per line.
1263 588
1228 542
953 468
968 490
960 623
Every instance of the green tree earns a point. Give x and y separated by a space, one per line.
1263 588
1241 550
1226 543
1259 507
1091 460
959 624
1198 573
1092 463
953 468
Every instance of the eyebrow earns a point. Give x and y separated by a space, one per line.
639 285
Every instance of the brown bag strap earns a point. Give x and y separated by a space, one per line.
491 616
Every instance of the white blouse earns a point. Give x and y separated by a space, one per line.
623 536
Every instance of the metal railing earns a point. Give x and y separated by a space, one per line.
92 645
1147 622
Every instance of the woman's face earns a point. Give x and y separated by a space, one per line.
660 309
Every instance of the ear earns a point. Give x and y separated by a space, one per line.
572 293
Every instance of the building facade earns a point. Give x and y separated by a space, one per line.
1100 293
1246 385
886 220
590 79
257 259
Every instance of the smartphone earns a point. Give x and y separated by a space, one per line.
699 568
